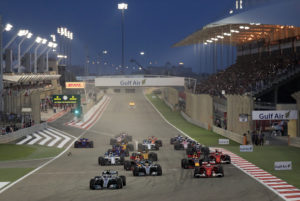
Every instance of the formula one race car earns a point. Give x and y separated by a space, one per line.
178 138
84 143
137 157
119 151
192 162
144 168
184 144
131 104
109 180
208 170
148 145
111 159
198 149
155 140
218 157
123 137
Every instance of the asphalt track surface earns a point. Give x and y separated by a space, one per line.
67 178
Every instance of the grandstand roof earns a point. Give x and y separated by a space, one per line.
273 22
28 77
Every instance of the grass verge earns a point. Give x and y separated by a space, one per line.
12 174
26 152
264 157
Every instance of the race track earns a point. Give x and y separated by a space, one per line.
67 178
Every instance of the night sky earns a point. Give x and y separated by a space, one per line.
152 26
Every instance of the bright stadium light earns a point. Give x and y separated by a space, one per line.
44 41
50 44
22 32
8 27
29 35
247 28
38 39
142 53
122 6
242 27
205 43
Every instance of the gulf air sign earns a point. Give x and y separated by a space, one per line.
75 85
139 82
275 115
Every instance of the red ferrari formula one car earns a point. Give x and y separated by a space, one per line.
219 158
208 170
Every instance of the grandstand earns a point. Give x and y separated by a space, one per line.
264 76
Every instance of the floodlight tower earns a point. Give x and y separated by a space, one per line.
122 7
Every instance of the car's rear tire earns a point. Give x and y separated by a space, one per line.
152 156
159 171
101 161
123 180
127 165
76 144
92 182
135 171
119 183
184 163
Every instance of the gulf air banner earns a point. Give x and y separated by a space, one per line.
275 115
139 82
75 85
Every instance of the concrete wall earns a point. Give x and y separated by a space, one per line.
192 121
228 134
200 108
170 95
237 105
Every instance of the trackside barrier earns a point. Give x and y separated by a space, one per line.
231 135
168 104
11 137
228 134
192 121
295 141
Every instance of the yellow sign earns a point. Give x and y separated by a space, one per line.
57 98
73 98
75 85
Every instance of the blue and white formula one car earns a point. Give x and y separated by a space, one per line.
111 159
108 180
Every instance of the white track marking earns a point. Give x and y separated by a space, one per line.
51 128
2 184
28 137
47 138
67 139
35 140
53 142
